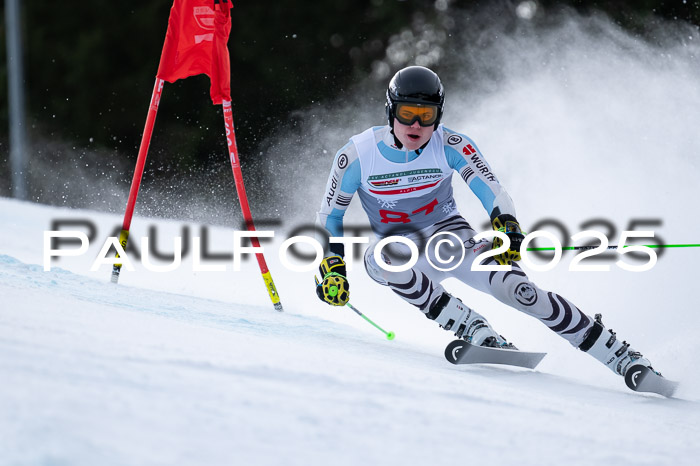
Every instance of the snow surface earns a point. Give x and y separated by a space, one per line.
197 368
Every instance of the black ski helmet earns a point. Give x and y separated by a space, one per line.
415 84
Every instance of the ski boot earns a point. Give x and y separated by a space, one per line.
451 314
616 355
639 376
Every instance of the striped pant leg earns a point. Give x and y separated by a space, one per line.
419 285
515 289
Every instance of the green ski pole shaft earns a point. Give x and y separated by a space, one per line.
389 335
584 248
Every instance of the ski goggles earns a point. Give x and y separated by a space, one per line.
407 113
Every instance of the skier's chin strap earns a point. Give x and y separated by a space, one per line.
398 143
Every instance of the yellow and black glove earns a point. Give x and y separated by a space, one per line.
508 225
334 288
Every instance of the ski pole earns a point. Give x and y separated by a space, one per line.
584 248
389 335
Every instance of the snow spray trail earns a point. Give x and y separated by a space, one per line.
578 102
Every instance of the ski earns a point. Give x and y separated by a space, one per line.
461 352
642 379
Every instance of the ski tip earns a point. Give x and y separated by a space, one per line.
278 307
462 352
635 375
452 350
643 379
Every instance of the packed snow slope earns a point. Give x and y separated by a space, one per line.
197 368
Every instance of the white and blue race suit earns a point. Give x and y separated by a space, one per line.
409 193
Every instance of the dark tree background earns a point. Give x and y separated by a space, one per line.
90 68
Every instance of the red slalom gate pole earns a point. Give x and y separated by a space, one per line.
138 171
243 198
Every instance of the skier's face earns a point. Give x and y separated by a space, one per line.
412 136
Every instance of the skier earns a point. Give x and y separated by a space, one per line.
402 173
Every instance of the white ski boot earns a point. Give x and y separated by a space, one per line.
467 324
603 345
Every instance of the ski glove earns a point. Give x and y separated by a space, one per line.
334 288
508 225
